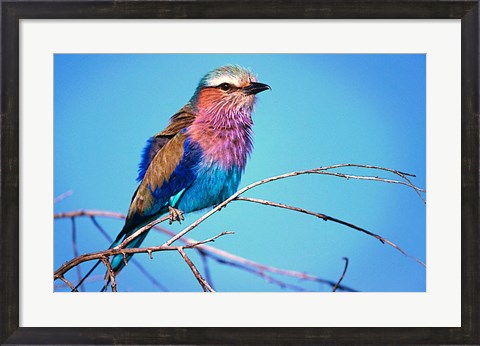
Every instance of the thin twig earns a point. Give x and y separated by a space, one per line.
206 287
144 229
206 267
321 170
394 171
140 267
100 228
282 284
260 270
69 284
209 240
82 212
329 218
261 273
61 197
116 251
75 250
343 275
148 275
91 278
235 260
110 272
403 175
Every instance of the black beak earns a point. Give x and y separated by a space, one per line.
255 88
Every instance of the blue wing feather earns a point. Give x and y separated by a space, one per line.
168 193
154 144
178 123
182 177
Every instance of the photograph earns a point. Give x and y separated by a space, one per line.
239 173
219 173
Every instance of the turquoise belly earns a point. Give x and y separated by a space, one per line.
212 186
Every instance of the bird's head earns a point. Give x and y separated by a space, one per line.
227 92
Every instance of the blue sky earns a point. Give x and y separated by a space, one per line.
323 109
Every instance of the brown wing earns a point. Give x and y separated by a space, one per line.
178 122
160 158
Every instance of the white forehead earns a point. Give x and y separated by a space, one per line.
225 79
231 74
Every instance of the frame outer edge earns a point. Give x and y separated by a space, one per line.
9 181
470 177
12 11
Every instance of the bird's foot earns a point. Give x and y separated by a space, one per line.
175 215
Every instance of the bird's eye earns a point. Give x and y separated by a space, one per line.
224 86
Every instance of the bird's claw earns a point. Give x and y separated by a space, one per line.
175 215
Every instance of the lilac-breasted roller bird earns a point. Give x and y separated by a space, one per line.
196 162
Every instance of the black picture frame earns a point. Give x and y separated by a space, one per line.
13 11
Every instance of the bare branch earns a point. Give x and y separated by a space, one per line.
204 256
321 170
261 273
213 252
82 212
151 278
259 269
91 278
144 229
343 275
280 283
329 218
116 251
61 197
209 240
110 272
140 267
206 287
69 284
75 249
403 175
100 228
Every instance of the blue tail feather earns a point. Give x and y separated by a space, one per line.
118 261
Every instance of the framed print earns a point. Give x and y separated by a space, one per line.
261 122
78 82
